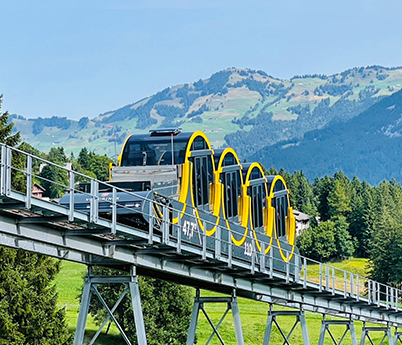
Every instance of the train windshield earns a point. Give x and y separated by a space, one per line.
158 152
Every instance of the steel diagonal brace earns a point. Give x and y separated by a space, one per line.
215 329
218 324
123 334
398 337
349 328
272 320
387 334
371 341
108 317
284 336
231 303
333 338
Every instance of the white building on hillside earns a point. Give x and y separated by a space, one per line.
302 221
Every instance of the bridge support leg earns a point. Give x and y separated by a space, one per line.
397 338
366 334
91 287
84 309
232 305
350 327
272 319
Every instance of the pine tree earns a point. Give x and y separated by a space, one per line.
305 200
338 200
386 249
83 158
54 180
344 244
28 299
6 129
322 188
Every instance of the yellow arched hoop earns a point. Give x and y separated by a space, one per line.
290 228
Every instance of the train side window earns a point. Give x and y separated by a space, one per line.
279 186
205 182
234 194
199 144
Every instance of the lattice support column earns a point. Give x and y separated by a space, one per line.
91 288
272 320
397 338
325 328
232 305
387 334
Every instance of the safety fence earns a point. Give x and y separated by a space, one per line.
161 224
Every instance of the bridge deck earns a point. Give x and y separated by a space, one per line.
45 227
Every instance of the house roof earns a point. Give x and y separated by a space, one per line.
39 187
300 216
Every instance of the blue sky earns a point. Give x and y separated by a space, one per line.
83 58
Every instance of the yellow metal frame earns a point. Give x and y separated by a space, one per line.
290 220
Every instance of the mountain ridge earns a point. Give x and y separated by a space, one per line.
368 146
243 108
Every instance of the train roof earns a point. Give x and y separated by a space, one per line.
156 136
279 183
254 175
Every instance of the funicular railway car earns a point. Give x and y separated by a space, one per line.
209 193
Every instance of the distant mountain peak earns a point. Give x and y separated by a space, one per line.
240 107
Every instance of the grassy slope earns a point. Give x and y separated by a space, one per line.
223 108
253 314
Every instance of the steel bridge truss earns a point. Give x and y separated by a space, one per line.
387 334
325 328
300 318
161 251
231 305
91 288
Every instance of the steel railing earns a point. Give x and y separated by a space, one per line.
309 274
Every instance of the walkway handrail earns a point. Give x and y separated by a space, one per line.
308 273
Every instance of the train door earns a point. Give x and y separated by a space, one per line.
231 185
257 195
201 180
280 204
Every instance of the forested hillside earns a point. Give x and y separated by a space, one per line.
368 146
243 108
354 218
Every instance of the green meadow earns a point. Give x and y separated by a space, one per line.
253 314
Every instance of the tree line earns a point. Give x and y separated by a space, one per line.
29 314
350 218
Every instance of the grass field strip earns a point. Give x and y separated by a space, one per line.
73 235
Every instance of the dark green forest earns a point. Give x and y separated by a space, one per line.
351 218
28 298
367 146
